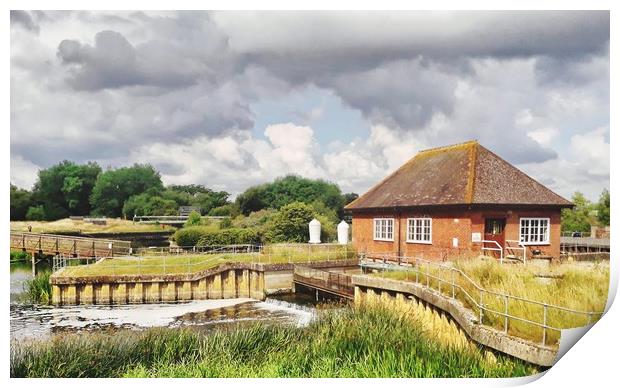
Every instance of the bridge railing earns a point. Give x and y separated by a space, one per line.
497 309
337 282
68 245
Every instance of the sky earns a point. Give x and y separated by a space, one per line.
234 99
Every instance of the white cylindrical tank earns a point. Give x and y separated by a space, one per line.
315 231
343 232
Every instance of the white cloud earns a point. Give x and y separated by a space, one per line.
23 172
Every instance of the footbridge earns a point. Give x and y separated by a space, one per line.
52 244
333 283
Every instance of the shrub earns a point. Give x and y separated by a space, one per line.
20 256
193 219
187 237
38 289
35 213
225 223
230 209
232 236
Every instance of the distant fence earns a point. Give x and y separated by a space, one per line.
51 244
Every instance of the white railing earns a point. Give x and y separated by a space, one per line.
498 248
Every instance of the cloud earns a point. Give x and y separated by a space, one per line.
180 90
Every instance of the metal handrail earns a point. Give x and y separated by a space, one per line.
497 249
520 247
479 303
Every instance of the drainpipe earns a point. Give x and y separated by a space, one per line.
398 215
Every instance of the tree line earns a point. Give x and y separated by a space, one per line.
71 189
586 213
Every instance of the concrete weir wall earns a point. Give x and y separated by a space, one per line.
230 280
368 287
222 283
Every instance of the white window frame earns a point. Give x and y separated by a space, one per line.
411 234
374 229
534 223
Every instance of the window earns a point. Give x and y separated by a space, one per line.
419 230
384 229
534 231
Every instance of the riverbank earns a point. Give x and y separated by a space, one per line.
362 342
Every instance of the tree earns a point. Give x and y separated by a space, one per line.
290 224
20 200
577 219
290 189
35 213
603 208
64 189
114 187
147 204
209 200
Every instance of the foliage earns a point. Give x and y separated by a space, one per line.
150 205
231 236
225 223
20 256
290 224
38 289
36 213
577 219
603 208
255 219
113 187
230 209
189 236
64 189
287 190
21 200
364 342
193 219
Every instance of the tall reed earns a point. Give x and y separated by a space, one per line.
365 342
38 290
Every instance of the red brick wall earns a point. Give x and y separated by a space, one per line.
447 225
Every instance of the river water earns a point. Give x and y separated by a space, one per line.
40 322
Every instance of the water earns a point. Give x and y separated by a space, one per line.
40 322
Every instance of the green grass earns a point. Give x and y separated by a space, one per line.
179 264
365 342
38 290
577 287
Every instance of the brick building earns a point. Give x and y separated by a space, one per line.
456 200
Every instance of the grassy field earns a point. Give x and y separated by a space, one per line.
575 286
365 342
179 264
67 225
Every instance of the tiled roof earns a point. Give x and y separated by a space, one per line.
459 174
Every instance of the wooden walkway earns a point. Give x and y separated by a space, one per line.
333 283
51 244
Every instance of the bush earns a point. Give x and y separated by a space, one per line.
189 236
35 213
230 209
232 236
203 236
193 219
20 256
38 289
225 223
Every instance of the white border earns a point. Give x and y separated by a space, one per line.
374 229
413 240
546 242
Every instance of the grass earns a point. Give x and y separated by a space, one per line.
38 290
179 264
362 342
67 225
573 286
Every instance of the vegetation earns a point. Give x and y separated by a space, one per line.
20 256
365 342
193 219
572 286
290 223
585 213
289 189
38 290
179 264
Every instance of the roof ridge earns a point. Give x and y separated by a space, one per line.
471 178
451 146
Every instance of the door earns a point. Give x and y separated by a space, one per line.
494 231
